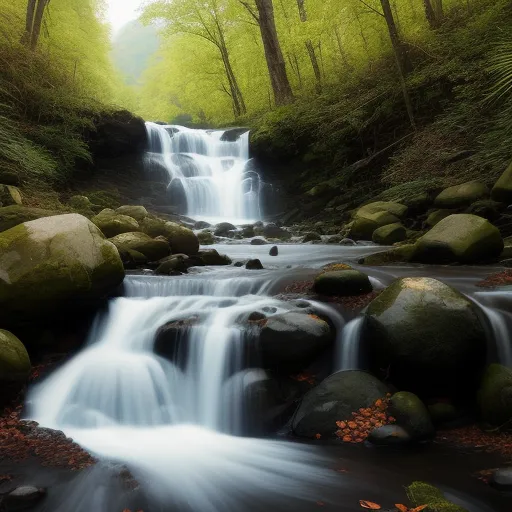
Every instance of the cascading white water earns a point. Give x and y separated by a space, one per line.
212 173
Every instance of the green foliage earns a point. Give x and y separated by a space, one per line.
421 493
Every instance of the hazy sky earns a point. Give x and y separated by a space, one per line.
122 11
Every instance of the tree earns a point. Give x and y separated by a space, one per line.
34 21
273 54
433 12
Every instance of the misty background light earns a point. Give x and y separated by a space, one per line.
121 12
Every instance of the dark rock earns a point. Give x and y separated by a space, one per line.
269 309
256 316
460 196
9 178
495 395
171 340
311 237
23 498
224 229
274 251
201 225
248 231
206 238
347 241
254 265
173 265
342 283
443 412
501 479
390 435
410 413
335 399
212 257
274 231
488 209
390 234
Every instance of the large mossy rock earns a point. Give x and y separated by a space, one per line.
460 238
342 283
206 237
335 399
112 224
365 223
390 234
273 231
11 216
437 216
461 196
401 254
154 250
495 396
10 195
396 209
139 213
412 414
426 337
14 360
502 190
80 202
290 341
46 263
181 239
422 493
212 257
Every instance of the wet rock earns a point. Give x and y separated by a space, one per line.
293 339
334 239
427 336
501 479
201 224
23 498
311 237
258 241
171 340
390 435
443 412
139 213
274 251
274 231
437 216
212 257
174 265
347 241
411 414
365 223
342 283
206 238
335 399
256 316
502 190
239 263
181 239
461 196
14 360
10 195
154 250
224 229
112 224
460 238
254 265
488 209
495 395
390 234
404 253
397 209
248 231
132 259
269 309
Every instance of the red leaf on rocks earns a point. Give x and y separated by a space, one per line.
369 504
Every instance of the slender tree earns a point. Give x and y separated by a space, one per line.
34 21
433 12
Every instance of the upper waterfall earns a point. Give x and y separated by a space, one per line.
209 172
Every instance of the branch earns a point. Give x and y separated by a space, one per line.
371 8
251 12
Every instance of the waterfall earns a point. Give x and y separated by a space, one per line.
211 173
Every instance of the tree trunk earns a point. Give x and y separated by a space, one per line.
29 22
38 21
341 49
434 12
273 54
310 48
400 56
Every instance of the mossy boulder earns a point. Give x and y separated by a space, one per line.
342 283
396 209
335 399
212 257
412 414
206 238
403 253
460 238
11 216
502 190
495 396
10 195
311 237
112 224
14 360
47 263
390 234
426 337
154 250
486 208
9 177
181 239
365 223
437 216
461 196
80 202
273 231
139 213
422 493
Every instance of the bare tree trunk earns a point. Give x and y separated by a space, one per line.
438 9
310 48
38 21
400 56
294 64
273 54
434 12
29 21
341 49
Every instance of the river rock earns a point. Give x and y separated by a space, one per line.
274 251
9 178
10 195
365 223
248 231
201 224
112 224
212 257
154 250
501 479
224 229
11 216
412 414
274 231
426 337
47 263
502 190
173 265
461 196
181 239
139 213
80 202
206 238
23 498
335 399
390 435
404 253
486 208
132 259
254 264
14 360
495 395
437 216
390 234
460 238
171 340
396 209
258 241
342 283
293 339
311 237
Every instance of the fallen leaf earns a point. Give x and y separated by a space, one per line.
318 436
419 509
369 504
401 507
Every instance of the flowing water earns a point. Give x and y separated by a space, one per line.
212 174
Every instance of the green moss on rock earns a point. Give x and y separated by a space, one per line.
112 224
11 216
437 216
390 234
181 239
404 253
14 360
421 493
154 250
411 413
139 213
10 195
365 223
461 196
342 283
495 396
502 190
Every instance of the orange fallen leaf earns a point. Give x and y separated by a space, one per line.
369 504
401 507
318 436
419 509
